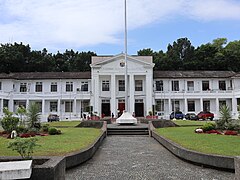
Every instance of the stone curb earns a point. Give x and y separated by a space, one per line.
53 167
216 161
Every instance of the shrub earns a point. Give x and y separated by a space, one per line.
228 132
208 126
225 117
45 127
33 116
24 147
213 131
53 131
8 122
21 129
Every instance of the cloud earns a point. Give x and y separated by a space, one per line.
78 23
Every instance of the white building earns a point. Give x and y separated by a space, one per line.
102 90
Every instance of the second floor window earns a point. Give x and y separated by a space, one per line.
105 85
69 86
38 87
23 87
175 85
121 85
0 85
190 85
222 85
84 86
138 85
159 85
205 85
53 86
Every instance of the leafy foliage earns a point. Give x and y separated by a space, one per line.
24 146
53 131
8 122
208 127
225 117
33 116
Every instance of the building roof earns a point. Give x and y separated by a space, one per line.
87 75
46 75
193 74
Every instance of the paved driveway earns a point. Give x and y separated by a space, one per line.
140 157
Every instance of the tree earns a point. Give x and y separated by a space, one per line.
33 116
21 111
8 122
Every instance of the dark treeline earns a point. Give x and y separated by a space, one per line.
180 55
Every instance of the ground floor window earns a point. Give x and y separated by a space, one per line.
68 106
159 105
175 105
53 106
191 105
206 105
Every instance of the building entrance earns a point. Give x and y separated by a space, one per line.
139 108
106 108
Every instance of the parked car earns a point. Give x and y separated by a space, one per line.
191 116
177 115
205 115
53 117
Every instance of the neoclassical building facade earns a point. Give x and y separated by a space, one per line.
102 91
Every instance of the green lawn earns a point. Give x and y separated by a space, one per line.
64 123
190 123
206 143
71 139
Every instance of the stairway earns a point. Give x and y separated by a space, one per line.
114 129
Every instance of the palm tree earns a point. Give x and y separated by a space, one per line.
33 116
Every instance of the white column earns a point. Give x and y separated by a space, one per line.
131 93
74 106
185 106
1 106
148 90
169 106
113 94
43 108
234 107
201 104
217 107
96 93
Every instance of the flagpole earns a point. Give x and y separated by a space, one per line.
125 45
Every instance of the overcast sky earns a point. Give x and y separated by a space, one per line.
98 25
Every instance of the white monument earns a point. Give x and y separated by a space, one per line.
126 118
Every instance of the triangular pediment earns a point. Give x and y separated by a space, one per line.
99 61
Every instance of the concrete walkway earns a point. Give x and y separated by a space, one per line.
140 157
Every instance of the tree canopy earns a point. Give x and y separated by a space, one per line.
180 55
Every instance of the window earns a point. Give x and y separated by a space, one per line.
39 104
121 85
69 86
68 106
206 105
84 86
205 86
5 103
159 85
38 87
190 85
53 86
23 87
0 85
159 105
222 85
191 105
138 85
222 103
231 85
53 106
175 105
175 85
105 85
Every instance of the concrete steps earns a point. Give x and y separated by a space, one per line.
127 130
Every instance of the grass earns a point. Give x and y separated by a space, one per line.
206 143
63 123
71 140
190 123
